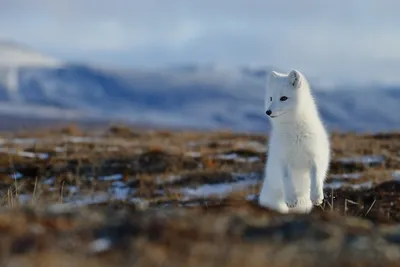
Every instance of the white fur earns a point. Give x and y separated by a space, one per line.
299 149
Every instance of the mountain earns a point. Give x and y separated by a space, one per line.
208 97
14 55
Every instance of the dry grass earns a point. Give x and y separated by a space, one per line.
157 223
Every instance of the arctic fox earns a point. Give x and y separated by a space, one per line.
299 148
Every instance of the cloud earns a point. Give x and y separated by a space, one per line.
340 39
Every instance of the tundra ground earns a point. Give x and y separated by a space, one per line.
131 197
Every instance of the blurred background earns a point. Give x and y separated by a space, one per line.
196 64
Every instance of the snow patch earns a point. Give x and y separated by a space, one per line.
340 184
396 175
49 181
13 151
236 157
16 175
82 139
222 189
366 160
100 245
347 176
119 190
112 177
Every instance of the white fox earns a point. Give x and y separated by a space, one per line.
299 148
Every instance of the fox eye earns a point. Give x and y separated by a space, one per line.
284 98
270 99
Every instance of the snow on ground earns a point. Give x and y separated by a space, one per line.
119 190
13 151
396 175
221 190
339 184
367 160
236 157
347 176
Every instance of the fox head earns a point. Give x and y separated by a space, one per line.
283 93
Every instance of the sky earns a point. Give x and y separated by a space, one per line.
346 40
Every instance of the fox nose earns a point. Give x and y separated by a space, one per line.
268 112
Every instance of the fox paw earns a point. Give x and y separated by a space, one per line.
317 198
299 204
292 202
279 206
295 201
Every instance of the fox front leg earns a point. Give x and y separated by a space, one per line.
297 200
317 192
288 187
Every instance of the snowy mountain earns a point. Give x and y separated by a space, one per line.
208 97
14 55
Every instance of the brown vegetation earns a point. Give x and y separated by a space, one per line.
130 197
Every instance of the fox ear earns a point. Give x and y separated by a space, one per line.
273 74
295 78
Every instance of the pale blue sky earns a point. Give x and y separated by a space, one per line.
348 40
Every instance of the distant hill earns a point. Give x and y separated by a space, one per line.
33 85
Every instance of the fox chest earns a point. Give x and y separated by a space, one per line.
296 150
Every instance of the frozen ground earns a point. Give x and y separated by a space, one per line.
130 197
184 169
